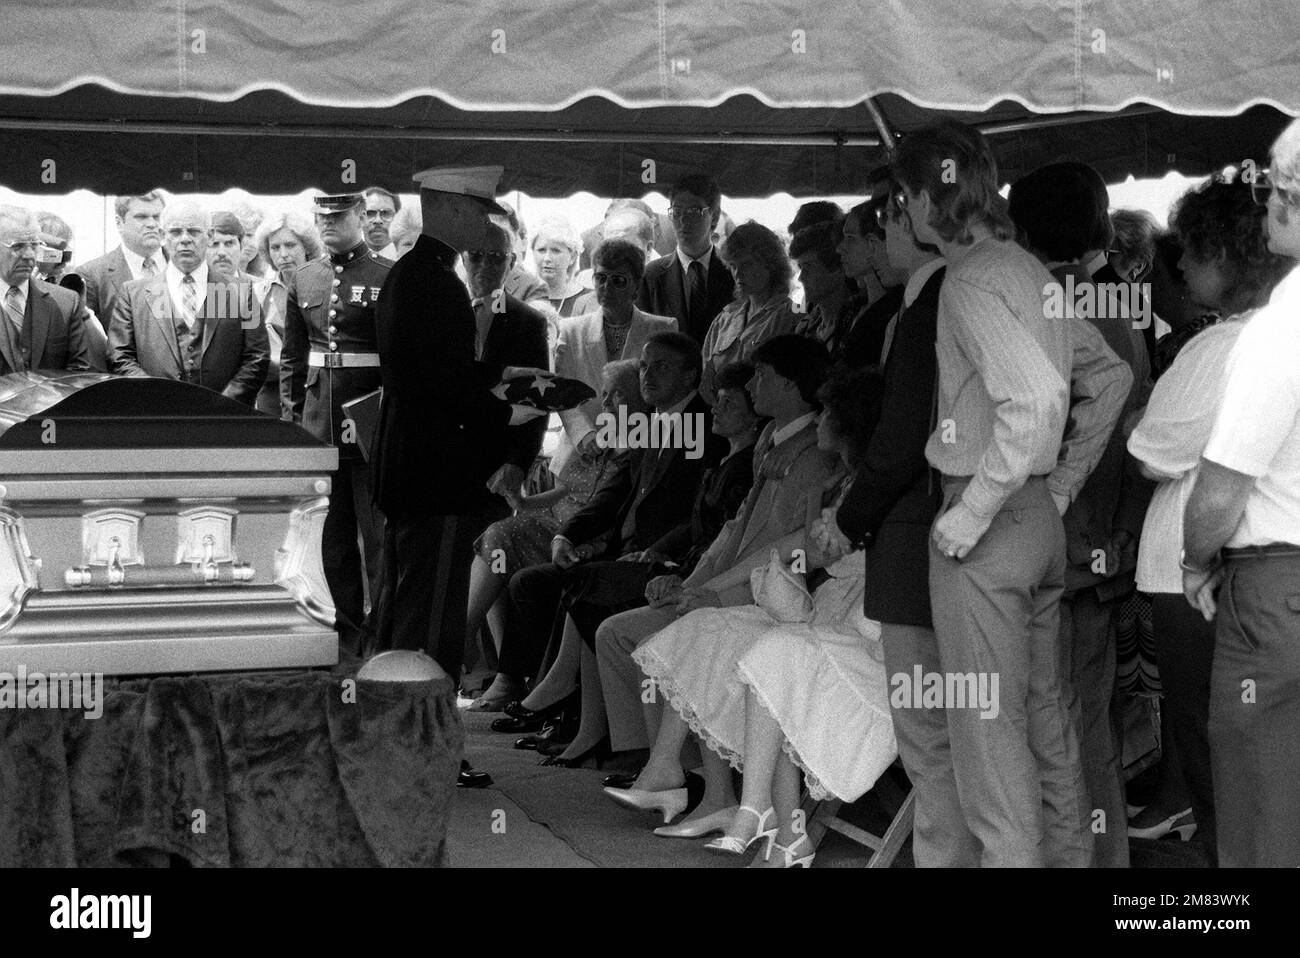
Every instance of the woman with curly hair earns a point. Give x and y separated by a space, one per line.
762 310
1229 273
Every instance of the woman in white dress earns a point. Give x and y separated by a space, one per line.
778 697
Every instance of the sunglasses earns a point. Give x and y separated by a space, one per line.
494 257
617 280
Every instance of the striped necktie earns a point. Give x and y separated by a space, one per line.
189 300
14 307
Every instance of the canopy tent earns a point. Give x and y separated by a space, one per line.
279 95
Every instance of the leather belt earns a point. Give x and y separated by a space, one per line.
1262 552
335 360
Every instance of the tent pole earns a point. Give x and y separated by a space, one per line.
887 138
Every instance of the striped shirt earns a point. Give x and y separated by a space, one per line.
1004 373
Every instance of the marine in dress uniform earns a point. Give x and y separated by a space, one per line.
331 356
442 433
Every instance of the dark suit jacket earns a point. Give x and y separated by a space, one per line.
104 276
235 353
663 293
893 500
440 431
517 337
656 487
722 492
57 329
865 339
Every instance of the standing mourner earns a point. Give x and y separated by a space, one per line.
330 356
997 552
1241 537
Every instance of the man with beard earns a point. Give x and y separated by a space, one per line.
183 324
330 356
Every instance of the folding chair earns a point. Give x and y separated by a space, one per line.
825 815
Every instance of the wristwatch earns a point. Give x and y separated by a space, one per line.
1188 567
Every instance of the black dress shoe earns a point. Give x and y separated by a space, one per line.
529 743
468 778
517 726
557 738
600 752
619 780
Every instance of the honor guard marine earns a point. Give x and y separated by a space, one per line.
331 357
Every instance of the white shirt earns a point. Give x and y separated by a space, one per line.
175 281
792 427
135 262
1170 439
1257 431
676 407
705 259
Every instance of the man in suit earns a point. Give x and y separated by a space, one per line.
507 333
140 255
381 208
330 356
790 474
441 431
691 283
41 325
186 324
649 494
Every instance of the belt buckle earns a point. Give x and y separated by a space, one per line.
333 361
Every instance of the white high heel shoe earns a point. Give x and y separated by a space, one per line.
728 845
670 802
716 822
803 861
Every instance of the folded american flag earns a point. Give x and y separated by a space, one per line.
544 391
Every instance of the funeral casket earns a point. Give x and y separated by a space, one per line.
151 526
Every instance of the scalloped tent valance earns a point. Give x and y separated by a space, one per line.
277 95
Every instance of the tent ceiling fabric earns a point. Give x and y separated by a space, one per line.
276 95
1191 57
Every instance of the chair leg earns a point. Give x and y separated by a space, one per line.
818 816
891 843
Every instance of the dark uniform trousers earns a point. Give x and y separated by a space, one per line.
329 308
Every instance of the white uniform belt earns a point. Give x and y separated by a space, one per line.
334 360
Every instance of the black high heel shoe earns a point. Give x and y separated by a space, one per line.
521 719
600 752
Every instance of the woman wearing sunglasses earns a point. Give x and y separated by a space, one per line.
617 330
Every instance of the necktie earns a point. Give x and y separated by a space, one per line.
189 300
697 299
14 307
147 269
889 335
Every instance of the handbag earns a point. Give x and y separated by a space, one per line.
779 592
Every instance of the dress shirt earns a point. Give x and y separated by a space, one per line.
1004 370
135 262
1100 383
1257 431
705 259
1170 440
174 280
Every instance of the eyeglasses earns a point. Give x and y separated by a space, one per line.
384 215
19 248
617 280
1262 187
689 212
495 257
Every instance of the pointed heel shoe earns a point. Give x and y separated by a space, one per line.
670 802
717 822
728 845
1181 822
787 851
